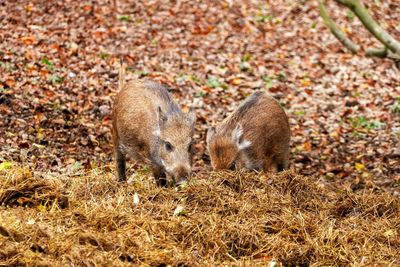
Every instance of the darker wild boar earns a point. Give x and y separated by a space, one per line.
256 136
150 127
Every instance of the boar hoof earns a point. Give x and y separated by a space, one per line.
162 182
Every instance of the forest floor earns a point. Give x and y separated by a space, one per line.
58 77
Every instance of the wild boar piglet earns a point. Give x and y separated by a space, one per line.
255 136
150 127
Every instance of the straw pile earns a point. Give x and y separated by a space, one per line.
220 219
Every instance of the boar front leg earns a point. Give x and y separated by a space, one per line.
121 164
159 175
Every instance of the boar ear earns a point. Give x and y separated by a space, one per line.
162 118
237 135
191 116
210 134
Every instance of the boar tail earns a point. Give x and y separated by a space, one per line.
121 77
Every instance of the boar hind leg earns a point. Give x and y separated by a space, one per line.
283 165
121 164
160 176
270 165
282 162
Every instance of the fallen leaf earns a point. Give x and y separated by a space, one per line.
41 208
136 199
28 40
359 166
31 221
179 210
307 146
236 81
5 165
23 200
389 233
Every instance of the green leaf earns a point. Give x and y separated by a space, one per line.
281 76
141 73
200 94
269 84
396 106
47 62
313 25
362 122
181 78
56 79
247 57
195 79
244 65
213 82
299 112
269 81
5 165
350 15
104 55
6 66
76 165
124 17
264 18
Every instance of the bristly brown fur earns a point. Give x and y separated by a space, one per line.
241 112
255 136
150 127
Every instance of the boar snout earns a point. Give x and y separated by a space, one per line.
180 174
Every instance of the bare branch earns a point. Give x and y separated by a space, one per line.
377 52
361 12
337 32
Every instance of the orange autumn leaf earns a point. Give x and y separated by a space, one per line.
31 69
28 40
44 72
87 7
307 146
22 200
305 82
31 54
236 81
10 82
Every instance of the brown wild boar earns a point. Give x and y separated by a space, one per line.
255 136
150 127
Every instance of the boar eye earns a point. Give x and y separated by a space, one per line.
168 146
190 147
232 166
